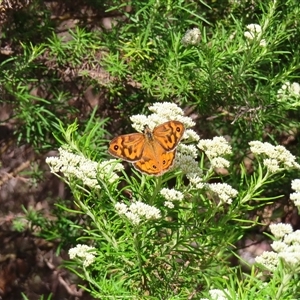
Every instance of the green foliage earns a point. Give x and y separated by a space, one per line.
236 86
168 257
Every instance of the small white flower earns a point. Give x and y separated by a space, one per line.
290 258
289 93
217 294
279 246
218 146
292 238
166 108
121 208
219 162
271 164
269 259
191 135
74 165
263 43
162 112
189 150
84 252
295 88
255 33
106 170
224 191
278 153
296 185
295 197
169 204
255 28
295 248
191 37
279 230
138 211
195 180
249 35
186 163
172 194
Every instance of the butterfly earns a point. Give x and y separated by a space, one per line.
151 152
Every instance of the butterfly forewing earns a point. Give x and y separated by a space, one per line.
169 134
129 147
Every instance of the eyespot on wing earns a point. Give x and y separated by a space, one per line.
128 147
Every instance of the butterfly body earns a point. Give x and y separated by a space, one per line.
151 152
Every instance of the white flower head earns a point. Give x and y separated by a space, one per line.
249 35
219 162
171 194
191 37
292 238
218 146
196 181
290 258
189 150
296 185
279 230
279 246
295 197
289 93
224 191
217 294
295 88
83 252
274 153
263 43
269 259
138 211
254 28
186 163
106 170
169 204
74 165
271 164
191 135
254 33
161 113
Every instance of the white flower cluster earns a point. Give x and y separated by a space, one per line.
295 197
191 37
224 191
171 195
217 294
286 248
187 164
215 149
84 252
196 182
191 135
289 92
254 33
276 156
74 165
137 211
161 112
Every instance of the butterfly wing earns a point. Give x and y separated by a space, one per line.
155 160
129 147
169 134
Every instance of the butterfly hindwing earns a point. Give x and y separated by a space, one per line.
155 162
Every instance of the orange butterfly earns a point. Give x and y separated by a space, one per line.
151 152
